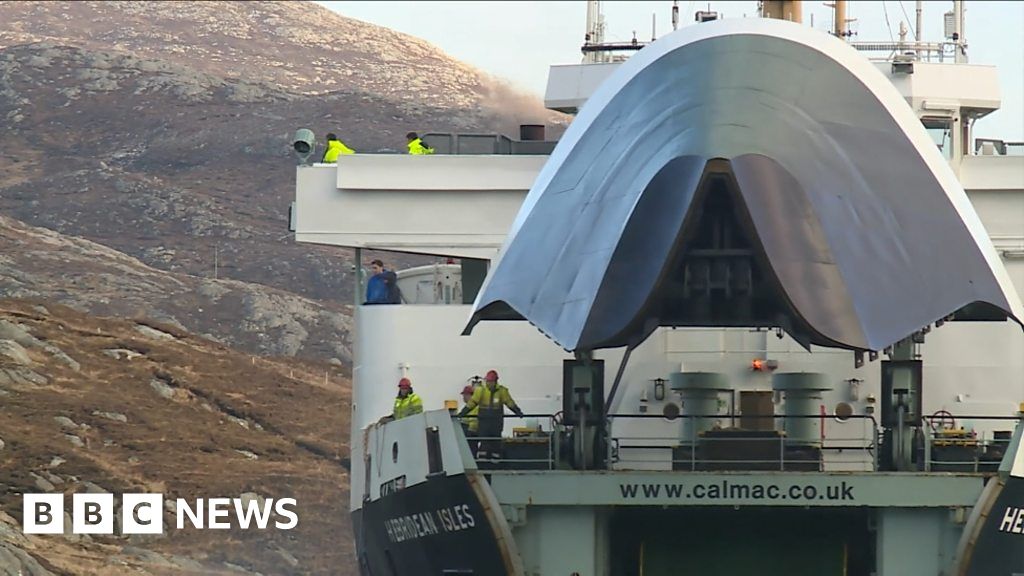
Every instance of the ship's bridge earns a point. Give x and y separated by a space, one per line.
455 203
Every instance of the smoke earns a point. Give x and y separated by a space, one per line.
506 107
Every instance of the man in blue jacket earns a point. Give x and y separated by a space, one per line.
382 287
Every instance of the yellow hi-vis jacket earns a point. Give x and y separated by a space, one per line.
416 147
407 406
472 423
484 398
336 148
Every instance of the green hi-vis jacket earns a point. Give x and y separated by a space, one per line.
484 398
407 406
473 423
336 148
418 148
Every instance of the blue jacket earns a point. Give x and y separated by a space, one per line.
382 288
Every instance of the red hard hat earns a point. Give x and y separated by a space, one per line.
492 376
467 390
405 383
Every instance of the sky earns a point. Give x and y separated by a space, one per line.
518 41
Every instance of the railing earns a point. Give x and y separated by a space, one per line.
457 143
730 449
997 147
855 447
548 461
914 50
537 451
959 450
544 450
452 143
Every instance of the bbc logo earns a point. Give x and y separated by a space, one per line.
92 514
143 513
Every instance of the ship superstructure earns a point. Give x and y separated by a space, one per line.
770 331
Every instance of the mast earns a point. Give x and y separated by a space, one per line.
958 32
595 33
595 49
917 27
839 26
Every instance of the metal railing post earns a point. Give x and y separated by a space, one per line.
782 452
927 447
608 441
557 435
551 455
874 451
693 452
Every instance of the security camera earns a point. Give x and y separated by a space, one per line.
304 144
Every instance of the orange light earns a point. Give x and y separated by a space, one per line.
763 365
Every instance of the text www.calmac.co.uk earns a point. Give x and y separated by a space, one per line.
727 490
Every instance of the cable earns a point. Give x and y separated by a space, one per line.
887 24
904 9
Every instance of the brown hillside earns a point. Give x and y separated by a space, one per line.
98 404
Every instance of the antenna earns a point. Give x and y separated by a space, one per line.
953 24
654 27
960 38
595 32
675 14
917 28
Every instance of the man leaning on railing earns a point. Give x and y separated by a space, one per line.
491 399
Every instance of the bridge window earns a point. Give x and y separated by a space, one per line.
941 131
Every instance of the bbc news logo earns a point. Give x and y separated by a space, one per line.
144 513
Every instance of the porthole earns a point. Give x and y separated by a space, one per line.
670 411
843 411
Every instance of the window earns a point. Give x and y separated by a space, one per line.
435 464
940 129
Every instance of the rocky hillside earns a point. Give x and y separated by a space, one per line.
162 130
299 47
42 264
91 404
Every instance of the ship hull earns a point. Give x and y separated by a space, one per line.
999 549
436 527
